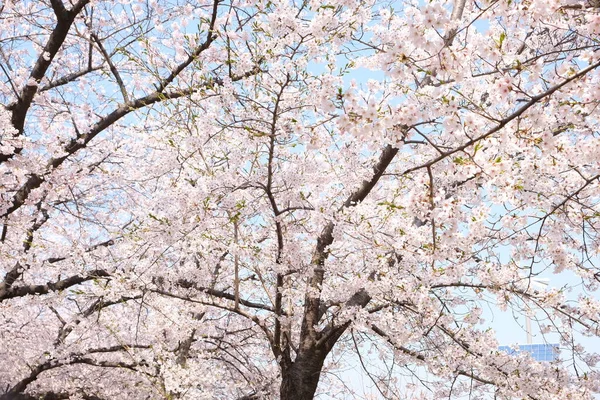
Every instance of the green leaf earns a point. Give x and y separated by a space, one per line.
459 160
502 37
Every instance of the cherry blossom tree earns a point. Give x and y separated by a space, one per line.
220 199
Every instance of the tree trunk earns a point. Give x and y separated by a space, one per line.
301 378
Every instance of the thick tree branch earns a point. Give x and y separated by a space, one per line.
20 108
79 358
106 243
308 335
20 291
186 284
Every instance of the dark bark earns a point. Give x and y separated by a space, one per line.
9 291
19 109
301 378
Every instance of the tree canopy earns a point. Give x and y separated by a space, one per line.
238 199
